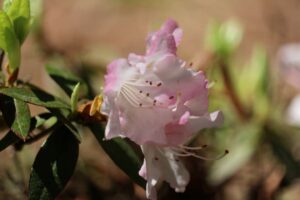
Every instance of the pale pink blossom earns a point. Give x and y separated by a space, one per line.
159 103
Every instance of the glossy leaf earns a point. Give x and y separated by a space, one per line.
74 97
53 165
9 139
34 96
21 124
16 114
65 79
9 42
121 153
63 117
19 14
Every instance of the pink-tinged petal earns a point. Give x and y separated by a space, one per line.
185 82
144 126
177 133
184 118
117 71
134 59
113 127
198 106
162 165
177 34
164 40
210 120
143 171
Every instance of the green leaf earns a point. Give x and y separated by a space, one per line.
121 153
35 96
16 114
9 139
53 165
19 13
63 117
241 147
223 39
21 124
74 97
6 5
9 41
281 150
65 79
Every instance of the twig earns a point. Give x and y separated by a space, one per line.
231 91
1 58
36 137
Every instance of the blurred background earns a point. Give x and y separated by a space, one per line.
249 51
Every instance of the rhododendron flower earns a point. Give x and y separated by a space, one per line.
159 103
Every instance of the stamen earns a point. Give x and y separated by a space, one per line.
193 148
187 154
134 97
185 151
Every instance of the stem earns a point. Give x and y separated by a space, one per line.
1 58
231 91
36 137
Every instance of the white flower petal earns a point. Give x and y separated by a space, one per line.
162 165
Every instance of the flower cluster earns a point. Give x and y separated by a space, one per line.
159 103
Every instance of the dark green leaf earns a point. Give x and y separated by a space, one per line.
121 153
65 79
8 109
35 96
63 117
16 115
74 97
19 13
9 139
54 165
282 152
21 124
9 41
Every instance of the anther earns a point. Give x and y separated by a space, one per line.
141 91
154 102
141 104
159 84
155 158
191 64
171 97
148 94
150 82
